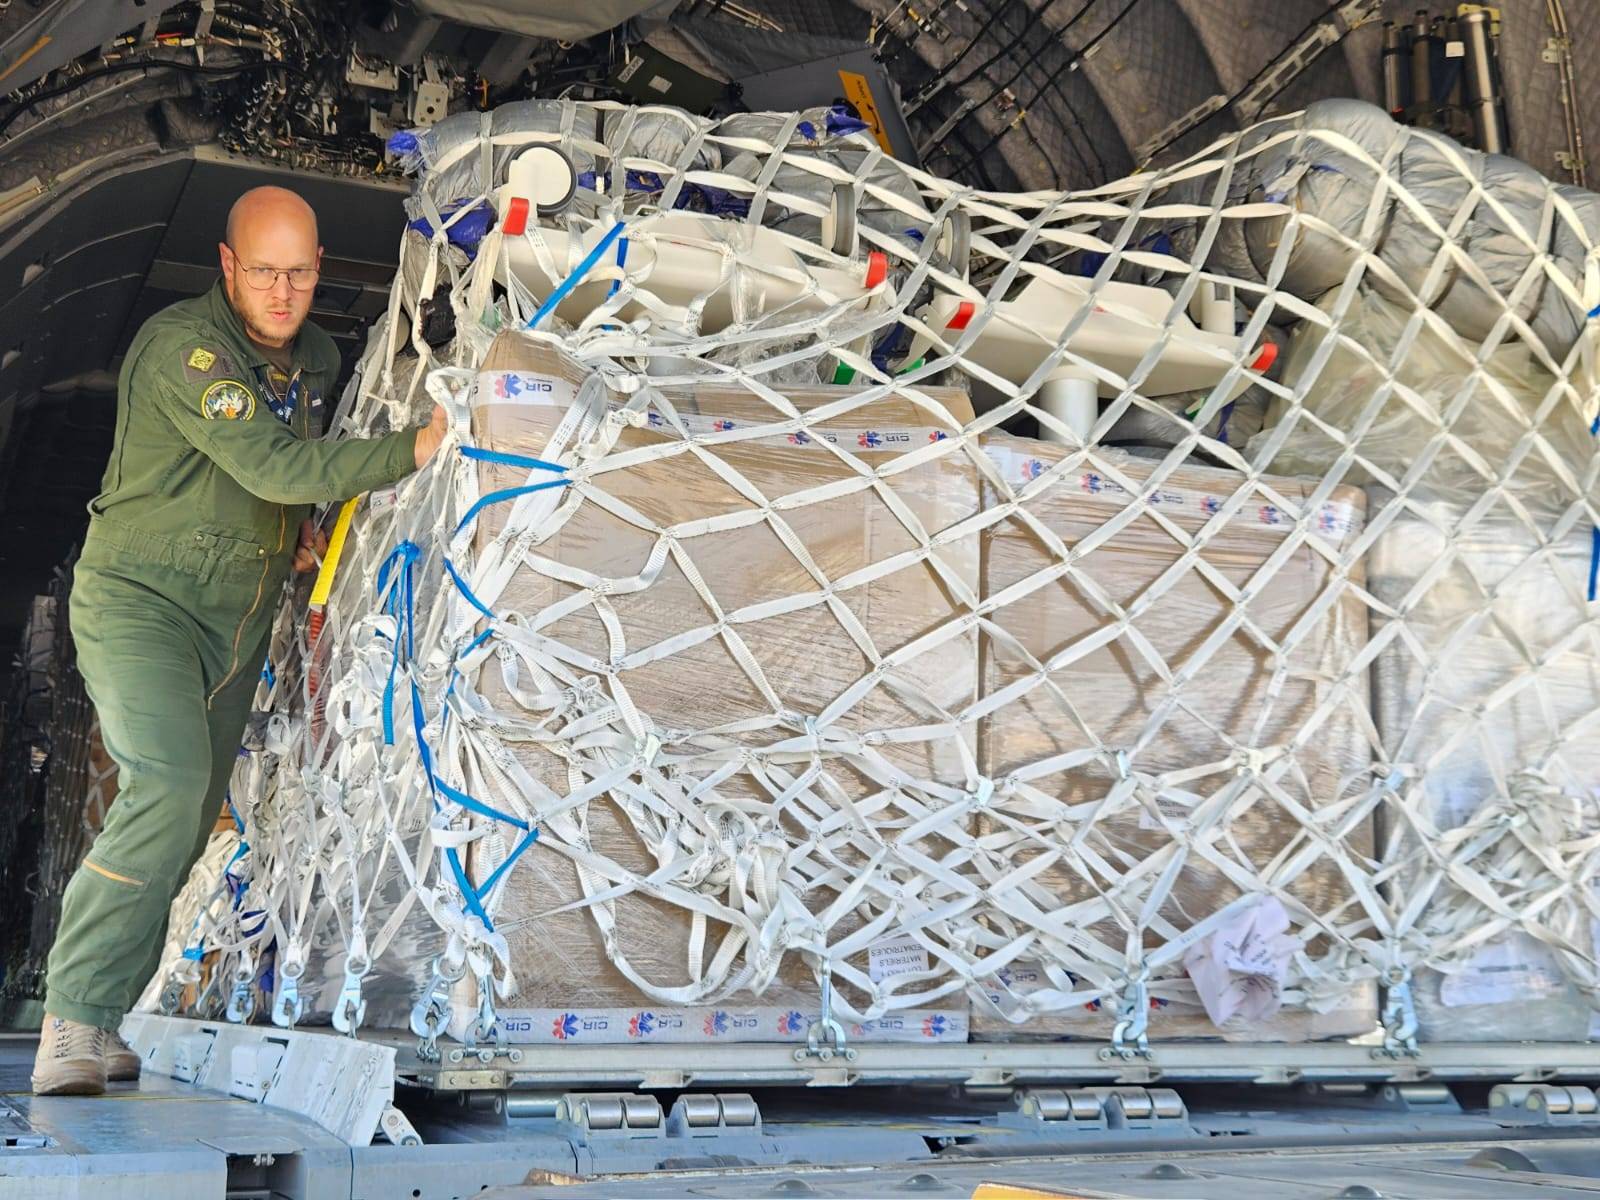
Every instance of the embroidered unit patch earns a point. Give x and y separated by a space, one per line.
227 400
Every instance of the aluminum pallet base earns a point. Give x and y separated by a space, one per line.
982 1064
177 1140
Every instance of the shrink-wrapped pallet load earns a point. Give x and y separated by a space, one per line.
633 720
1484 704
1207 708
775 850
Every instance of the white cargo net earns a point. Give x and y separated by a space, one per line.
1287 705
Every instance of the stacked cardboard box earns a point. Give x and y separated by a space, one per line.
1176 689
807 654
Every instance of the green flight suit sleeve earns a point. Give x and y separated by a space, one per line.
221 418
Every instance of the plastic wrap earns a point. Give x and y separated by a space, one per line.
1435 394
1497 675
1176 692
1341 172
738 840
459 176
1501 239
848 148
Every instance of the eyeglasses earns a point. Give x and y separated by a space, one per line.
265 278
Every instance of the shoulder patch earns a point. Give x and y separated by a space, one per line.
201 362
227 400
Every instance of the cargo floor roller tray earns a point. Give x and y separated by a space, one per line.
301 1114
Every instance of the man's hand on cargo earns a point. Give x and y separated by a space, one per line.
431 435
312 546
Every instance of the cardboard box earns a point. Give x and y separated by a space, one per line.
1176 692
808 652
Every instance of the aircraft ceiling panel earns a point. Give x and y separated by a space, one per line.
357 218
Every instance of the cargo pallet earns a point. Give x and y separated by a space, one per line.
255 1111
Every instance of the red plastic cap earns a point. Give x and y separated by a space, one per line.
964 314
516 221
1265 359
877 268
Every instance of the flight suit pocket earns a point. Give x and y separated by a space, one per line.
227 558
116 876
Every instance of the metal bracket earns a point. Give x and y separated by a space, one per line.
1555 50
1543 1104
350 1009
825 1025
287 1005
484 1054
1399 1018
1130 1035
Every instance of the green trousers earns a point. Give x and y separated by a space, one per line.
171 660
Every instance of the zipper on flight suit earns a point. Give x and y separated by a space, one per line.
238 634
261 585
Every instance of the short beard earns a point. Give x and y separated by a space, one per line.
254 332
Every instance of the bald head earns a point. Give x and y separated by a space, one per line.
268 207
271 246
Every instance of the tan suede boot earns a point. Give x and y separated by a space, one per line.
122 1060
71 1059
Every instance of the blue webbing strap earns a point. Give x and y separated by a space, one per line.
461 586
488 884
511 460
399 602
478 806
483 502
1594 533
573 280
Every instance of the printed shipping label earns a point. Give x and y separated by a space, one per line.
1170 807
893 956
1512 968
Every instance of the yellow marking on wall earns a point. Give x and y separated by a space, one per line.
43 41
857 91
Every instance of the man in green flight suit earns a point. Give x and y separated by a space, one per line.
205 510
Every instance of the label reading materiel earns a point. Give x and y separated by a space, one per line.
859 93
890 957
